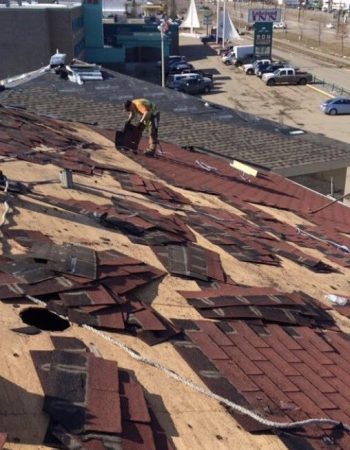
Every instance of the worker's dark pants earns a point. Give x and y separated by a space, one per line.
153 131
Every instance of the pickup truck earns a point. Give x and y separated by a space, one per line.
202 73
286 75
249 69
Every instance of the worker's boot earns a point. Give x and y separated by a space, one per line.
151 150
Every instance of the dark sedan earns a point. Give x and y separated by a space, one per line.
196 86
271 68
179 68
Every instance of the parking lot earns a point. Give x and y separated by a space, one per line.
297 106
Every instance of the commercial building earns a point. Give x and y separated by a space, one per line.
80 31
30 34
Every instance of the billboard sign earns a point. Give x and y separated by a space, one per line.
264 15
263 39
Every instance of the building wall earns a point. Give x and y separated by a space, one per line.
322 181
29 36
24 43
67 31
119 33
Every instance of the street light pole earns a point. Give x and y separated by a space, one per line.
217 20
224 25
162 51
160 28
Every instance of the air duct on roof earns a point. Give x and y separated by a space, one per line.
58 59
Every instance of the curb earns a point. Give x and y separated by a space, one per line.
320 91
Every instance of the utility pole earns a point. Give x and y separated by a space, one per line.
217 20
161 29
224 25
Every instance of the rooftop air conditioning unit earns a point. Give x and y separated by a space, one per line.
58 59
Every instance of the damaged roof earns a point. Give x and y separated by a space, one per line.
173 275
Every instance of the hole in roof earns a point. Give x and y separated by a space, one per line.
43 319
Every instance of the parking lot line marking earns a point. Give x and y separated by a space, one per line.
327 94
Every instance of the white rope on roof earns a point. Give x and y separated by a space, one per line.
205 166
342 247
187 382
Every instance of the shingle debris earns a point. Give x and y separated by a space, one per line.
205 173
154 189
92 403
87 287
248 241
43 141
143 225
191 261
259 305
283 373
329 240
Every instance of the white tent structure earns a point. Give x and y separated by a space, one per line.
191 20
226 30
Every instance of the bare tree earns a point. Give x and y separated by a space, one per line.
342 30
320 28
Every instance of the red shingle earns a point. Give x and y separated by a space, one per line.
209 347
278 361
236 376
312 392
320 383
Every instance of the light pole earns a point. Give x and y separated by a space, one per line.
160 28
224 25
217 20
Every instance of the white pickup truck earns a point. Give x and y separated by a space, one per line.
249 69
287 75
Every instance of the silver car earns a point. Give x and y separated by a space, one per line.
337 105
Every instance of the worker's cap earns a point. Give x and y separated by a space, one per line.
127 105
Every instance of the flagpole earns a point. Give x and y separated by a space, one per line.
224 25
191 15
217 20
160 28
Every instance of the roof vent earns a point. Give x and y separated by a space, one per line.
58 59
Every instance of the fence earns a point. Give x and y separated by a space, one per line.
330 87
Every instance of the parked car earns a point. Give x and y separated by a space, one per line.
226 50
337 105
209 38
287 75
179 68
174 81
250 68
247 59
227 57
271 68
203 73
173 59
196 86
279 25
261 65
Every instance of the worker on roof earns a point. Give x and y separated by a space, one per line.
149 119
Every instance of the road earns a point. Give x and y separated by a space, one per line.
297 106
312 24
